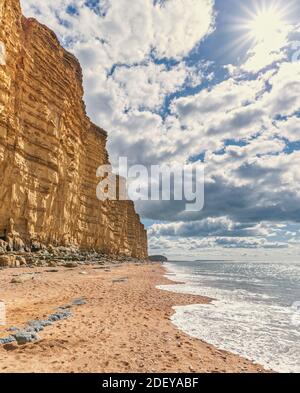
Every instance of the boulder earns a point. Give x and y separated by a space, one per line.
52 264
18 244
21 260
8 261
71 264
52 249
3 245
10 243
17 263
41 263
36 246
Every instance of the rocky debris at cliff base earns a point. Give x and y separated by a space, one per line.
68 257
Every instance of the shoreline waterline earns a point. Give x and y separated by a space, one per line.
237 319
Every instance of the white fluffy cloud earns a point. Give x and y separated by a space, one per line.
127 31
284 98
146 86
289 128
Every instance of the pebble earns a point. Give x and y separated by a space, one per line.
79 302
119 280
59 316
7 340
24 336
39 325
12 329
22 278
66 307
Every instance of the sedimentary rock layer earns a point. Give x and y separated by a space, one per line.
50 150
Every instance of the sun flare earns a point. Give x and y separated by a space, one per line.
261 30
266 24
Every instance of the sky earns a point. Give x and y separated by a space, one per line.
216 83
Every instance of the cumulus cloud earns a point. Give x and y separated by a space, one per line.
283 98
220 247
289 128
146 86
219 226
127 31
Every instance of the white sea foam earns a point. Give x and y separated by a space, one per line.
242 322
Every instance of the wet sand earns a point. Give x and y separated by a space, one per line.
124 326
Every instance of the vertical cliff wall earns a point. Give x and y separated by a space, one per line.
50 150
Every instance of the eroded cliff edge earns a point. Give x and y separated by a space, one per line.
50 150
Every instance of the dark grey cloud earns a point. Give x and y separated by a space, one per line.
207 227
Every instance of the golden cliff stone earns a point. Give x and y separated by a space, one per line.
50 150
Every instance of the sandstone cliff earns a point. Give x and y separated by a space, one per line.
50 150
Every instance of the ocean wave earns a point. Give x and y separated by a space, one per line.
238 321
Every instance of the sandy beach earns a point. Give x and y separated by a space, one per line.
123 327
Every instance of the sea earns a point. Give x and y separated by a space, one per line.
255 310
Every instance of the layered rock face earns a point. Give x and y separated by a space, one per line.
50 150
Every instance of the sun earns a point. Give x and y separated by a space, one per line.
263 22
266 24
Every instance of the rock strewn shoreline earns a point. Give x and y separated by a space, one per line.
69 257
